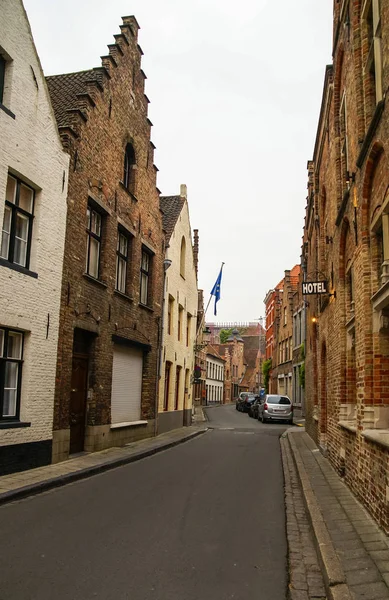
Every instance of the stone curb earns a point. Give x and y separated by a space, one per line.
334 577
55 482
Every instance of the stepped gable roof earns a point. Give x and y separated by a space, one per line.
294 277
64 90
213 352
171 207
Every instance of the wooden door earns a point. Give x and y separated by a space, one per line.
78 403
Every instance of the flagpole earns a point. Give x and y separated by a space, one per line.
209 302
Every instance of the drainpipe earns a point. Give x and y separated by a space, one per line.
166 264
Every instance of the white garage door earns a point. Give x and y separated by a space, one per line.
126 384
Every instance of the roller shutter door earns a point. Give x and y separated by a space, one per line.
126 384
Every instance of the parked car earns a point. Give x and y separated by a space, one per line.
275 407
253 408
244 400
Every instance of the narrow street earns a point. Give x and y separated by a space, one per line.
202 520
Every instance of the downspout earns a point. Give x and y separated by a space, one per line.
166 264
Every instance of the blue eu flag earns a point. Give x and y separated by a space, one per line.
216 288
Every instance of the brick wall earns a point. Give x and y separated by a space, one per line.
110 113
347 348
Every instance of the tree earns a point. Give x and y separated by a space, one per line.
224 335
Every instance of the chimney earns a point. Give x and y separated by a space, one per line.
183 191
195 249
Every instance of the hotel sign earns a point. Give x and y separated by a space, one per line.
314 287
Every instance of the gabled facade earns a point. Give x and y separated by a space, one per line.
282 371
33 187
112 288
272 303
179 316
347 228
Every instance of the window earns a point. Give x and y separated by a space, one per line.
178 381
2 77
182 257
121 262
170 309
343 140
168 366
93 242
180 314
188 326
17 222
373 64
145 278
11 355
285 316
129 163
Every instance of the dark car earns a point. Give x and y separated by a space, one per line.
253 409
245 401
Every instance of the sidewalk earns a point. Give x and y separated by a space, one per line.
353 552
34 481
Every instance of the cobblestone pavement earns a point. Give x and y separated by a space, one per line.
353 551
33 481
306 580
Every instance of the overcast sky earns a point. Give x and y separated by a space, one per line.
235 90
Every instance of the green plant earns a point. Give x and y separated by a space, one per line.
224 335
302 375
266 368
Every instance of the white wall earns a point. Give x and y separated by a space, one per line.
30 148
215 379
184 292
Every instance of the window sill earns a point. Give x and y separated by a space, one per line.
128 424
13 424
380 300
149 308
18 268
124 296
378 437
7 111
93 280
132 196
349 425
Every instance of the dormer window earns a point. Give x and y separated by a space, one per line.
129 164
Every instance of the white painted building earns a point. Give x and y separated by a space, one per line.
179 316
33 189
214 384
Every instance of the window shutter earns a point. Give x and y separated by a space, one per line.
126 384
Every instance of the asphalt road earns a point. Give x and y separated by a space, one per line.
202 521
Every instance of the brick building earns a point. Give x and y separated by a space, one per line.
233 353
106 392
347 231
272 303
33 187
282 333
179 320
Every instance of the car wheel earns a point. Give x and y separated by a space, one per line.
263 418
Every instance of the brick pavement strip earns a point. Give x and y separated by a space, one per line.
305 578
353 551
35 481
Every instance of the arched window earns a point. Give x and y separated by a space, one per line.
182 257
129 162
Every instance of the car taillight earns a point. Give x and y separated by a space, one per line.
265 406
